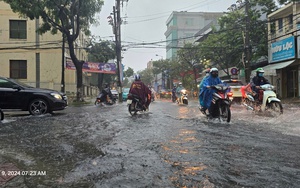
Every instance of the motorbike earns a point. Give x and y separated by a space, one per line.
134 104
183 98
268 101
220 104
1 114
105 98
174 98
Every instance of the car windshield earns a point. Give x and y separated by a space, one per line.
20 83
233 83
126 90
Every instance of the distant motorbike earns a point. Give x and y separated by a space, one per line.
268 102
174 98
1 114
220 104
134 104
105 97
183 98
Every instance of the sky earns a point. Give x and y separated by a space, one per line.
145 21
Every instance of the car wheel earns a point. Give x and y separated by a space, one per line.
38 107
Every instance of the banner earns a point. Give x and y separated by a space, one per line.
106 68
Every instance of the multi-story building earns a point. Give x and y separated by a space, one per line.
284 53
34 59
182 26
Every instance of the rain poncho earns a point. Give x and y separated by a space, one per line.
206 93
140 89
178 90
200 88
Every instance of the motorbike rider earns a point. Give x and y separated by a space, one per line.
178 90
106 91
257 81
174 92
201 86
206 92
141 90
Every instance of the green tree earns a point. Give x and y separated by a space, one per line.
191 57
129 72
102 51
146 76
226 45
70 17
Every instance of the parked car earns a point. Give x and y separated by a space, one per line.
125 93
19 96
115 94
235 86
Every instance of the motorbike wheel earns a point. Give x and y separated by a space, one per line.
225 113
97 103
132 109
185 102
276 107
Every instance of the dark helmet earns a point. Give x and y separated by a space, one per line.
106 85
214 72
137 77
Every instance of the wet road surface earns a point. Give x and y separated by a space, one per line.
170 146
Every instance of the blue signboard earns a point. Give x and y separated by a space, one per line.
283 50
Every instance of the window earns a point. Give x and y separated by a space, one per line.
280 24
18 69
17 29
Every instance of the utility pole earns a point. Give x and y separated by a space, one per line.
63 65
247 46
117 32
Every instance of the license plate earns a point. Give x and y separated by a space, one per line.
129 101
235 89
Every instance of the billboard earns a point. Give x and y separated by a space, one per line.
95 67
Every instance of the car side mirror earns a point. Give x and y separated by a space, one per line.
16 87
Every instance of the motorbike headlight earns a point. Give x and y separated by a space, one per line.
57 96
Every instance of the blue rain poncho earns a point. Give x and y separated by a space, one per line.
207 93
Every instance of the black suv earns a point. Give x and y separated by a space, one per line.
17 95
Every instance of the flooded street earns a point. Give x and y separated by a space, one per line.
170 146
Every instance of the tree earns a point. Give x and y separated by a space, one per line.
70 17
146 76
129 72
190 56
102 51
226 45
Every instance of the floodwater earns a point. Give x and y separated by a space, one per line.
169 146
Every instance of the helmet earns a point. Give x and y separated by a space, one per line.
214 72
106 85
137 77
180 83
260 70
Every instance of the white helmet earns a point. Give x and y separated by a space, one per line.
214 70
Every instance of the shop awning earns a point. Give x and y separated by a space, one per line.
270 70
275 66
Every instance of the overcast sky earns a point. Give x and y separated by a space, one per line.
146 22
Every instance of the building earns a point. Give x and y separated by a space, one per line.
284 53
182 26
34 59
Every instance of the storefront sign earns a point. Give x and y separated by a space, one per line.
283 50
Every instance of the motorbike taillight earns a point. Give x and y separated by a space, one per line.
129 96
229 94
